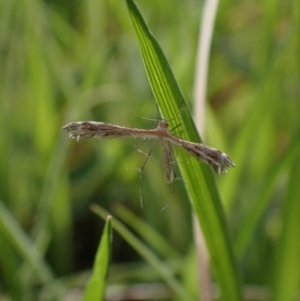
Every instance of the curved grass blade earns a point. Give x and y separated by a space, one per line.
20 241
154 239
95 289
247 230
199 180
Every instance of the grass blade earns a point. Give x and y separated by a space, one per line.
150 235
15 235
247 230
287 275
95 289
199 181
146 253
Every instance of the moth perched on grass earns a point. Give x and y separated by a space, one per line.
218 160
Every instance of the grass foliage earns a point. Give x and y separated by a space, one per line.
63 62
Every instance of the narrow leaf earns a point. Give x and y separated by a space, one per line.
200 184
287 275
149 256
247 231
95 288
20 241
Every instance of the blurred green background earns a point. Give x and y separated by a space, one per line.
64 61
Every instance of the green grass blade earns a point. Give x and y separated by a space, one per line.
199 181
247 231
287 273
150 235
19 240
149 256
95 289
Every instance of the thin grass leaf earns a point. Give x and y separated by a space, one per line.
264 100
149 256
249 226
199 181
22 244
95 289
287 275
150 235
